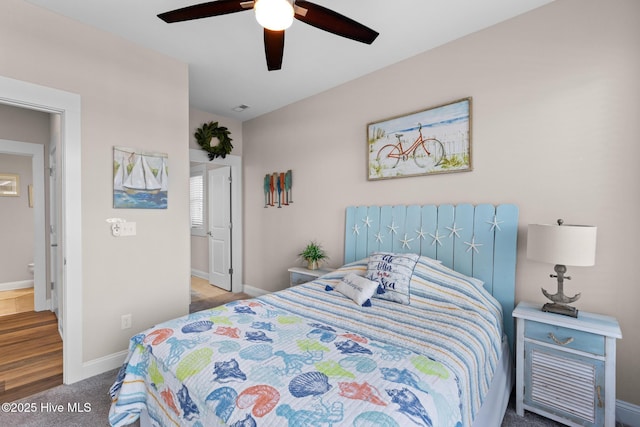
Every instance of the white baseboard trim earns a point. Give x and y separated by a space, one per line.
627 413
21 284
103 364
254 292
199 273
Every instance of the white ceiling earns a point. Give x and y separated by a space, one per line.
226 53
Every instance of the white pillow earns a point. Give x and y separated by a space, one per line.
358 288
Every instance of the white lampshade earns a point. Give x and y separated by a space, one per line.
275 15
565 244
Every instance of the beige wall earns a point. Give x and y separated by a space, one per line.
200 245
16 218
555 130
133 97
19 124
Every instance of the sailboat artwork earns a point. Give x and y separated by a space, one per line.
140 179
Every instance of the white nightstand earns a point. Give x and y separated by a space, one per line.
299 275
566 366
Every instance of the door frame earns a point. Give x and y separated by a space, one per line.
55 267
235 163
41 98
36 152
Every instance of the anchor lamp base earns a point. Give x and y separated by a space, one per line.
560 300
563 309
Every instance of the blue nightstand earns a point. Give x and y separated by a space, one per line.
565 366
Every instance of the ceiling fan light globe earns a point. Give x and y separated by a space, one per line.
275 15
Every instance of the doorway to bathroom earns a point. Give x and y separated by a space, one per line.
16 227
30 332
24 274
16 276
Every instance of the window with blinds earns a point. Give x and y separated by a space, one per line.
196 201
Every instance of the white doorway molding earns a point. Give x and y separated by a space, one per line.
235 162
35 97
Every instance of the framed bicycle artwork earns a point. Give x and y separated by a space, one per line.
433 141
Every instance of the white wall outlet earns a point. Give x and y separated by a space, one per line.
125 321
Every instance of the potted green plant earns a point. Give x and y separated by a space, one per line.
313 254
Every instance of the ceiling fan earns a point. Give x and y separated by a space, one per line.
275 16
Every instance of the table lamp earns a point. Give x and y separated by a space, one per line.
562 245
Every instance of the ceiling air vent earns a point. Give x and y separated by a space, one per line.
240 108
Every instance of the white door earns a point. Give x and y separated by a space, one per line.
54 250
219 197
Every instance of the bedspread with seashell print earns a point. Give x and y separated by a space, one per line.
270 362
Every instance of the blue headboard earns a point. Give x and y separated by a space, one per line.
478 241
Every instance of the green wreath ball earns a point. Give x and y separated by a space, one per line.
211 130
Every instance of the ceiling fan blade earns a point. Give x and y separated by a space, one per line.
273 48
205 10
333 22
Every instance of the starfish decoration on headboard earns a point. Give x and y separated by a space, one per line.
454 230
420 234
378 237
473 245
494 223
405 242
436 238
356 229
367 222
393 228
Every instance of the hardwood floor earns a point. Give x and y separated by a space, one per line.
204 296
200 289
31 357
31 347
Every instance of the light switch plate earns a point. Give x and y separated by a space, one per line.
128 229
120 229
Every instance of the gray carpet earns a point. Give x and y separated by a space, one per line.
90 395
94 393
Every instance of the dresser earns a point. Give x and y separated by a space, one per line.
565 366
300 275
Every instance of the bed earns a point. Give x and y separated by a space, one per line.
414 329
